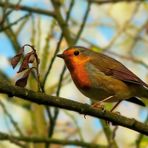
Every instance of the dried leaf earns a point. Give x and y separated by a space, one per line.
28 58
25 63
32 58
37 59
15 60
23 81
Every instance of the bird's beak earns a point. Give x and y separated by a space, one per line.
60 56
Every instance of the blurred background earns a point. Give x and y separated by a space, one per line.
116 28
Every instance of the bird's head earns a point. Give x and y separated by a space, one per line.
75 56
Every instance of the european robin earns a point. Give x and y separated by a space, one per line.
103 78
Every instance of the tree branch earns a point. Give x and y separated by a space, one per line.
101 2
41 98
27 9
62 23
14 123
33 139
3 28
57 15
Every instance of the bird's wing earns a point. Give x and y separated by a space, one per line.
114 68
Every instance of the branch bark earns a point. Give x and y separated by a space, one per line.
43 99
101 2
35 139
62 23
27 9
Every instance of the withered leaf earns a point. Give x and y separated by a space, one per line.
25 63
37 59
15 60
23 80
32 58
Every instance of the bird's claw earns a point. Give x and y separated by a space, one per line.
98 105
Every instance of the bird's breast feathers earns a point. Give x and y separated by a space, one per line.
81 78
78 72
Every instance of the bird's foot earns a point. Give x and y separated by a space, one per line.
98 105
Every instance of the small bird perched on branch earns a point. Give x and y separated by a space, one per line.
103 78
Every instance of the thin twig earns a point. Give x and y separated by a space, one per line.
56 110
76 124
28 9
83 22
58 46
108 134
3 28
62 23
101 2
51 63
123 29
14 123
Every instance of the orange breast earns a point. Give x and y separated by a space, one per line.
80 77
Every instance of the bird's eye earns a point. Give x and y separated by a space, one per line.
76 53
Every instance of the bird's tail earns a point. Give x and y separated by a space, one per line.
136 101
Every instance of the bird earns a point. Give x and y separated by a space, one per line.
103 78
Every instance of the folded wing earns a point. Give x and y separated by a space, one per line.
112 67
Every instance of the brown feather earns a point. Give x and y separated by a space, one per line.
112 67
